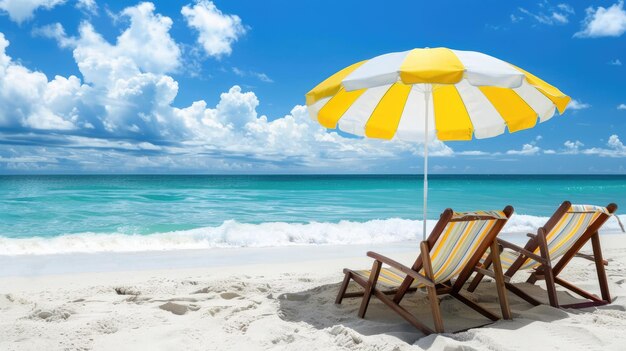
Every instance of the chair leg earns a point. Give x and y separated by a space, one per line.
499 276
343 288
551 286
597 253
432 291
369 290
436 310
547 268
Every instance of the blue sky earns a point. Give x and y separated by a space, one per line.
92 86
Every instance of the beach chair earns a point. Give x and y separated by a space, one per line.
447 259
552 248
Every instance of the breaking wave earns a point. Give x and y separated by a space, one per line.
232 234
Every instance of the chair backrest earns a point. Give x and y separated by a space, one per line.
461 238
567 226
571 227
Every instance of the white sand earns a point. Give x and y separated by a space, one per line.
285 304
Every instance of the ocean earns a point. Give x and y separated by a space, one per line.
93 213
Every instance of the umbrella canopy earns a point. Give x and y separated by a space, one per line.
424 94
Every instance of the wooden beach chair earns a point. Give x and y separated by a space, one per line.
552 248
448 258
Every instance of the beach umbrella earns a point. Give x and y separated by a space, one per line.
425 94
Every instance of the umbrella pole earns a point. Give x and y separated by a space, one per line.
427 92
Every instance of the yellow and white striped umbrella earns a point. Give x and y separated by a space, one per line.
467 94
422 94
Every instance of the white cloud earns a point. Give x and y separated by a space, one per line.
572 147
89 6
216 31
146 41
549 15
615 62
121 115
604 22
22 10
260 76
615 148
577 105
621 107
125 90
29 100
615 143
130 92
565 8
472 153
527 150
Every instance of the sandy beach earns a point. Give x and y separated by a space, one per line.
286 303
196 175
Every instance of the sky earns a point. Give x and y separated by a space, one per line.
217 87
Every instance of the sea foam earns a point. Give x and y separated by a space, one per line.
232 234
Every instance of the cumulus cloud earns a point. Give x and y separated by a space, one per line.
621 107
22 10
604 22
121 115
615 62
577 105
572 147
216 31
527 150
615 148
128 90
30 101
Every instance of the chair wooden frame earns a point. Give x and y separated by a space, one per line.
423 261
548 270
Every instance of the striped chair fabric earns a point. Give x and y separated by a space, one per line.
561 238
452 250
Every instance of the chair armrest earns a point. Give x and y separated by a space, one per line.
590 258
521 250
397 265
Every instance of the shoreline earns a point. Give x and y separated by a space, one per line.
29 265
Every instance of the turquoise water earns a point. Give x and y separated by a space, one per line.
55 205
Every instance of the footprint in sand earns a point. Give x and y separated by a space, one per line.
105 327
229 295
56 314
138 299
284 339
215 310
203 291
294 297
178 309
344 337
